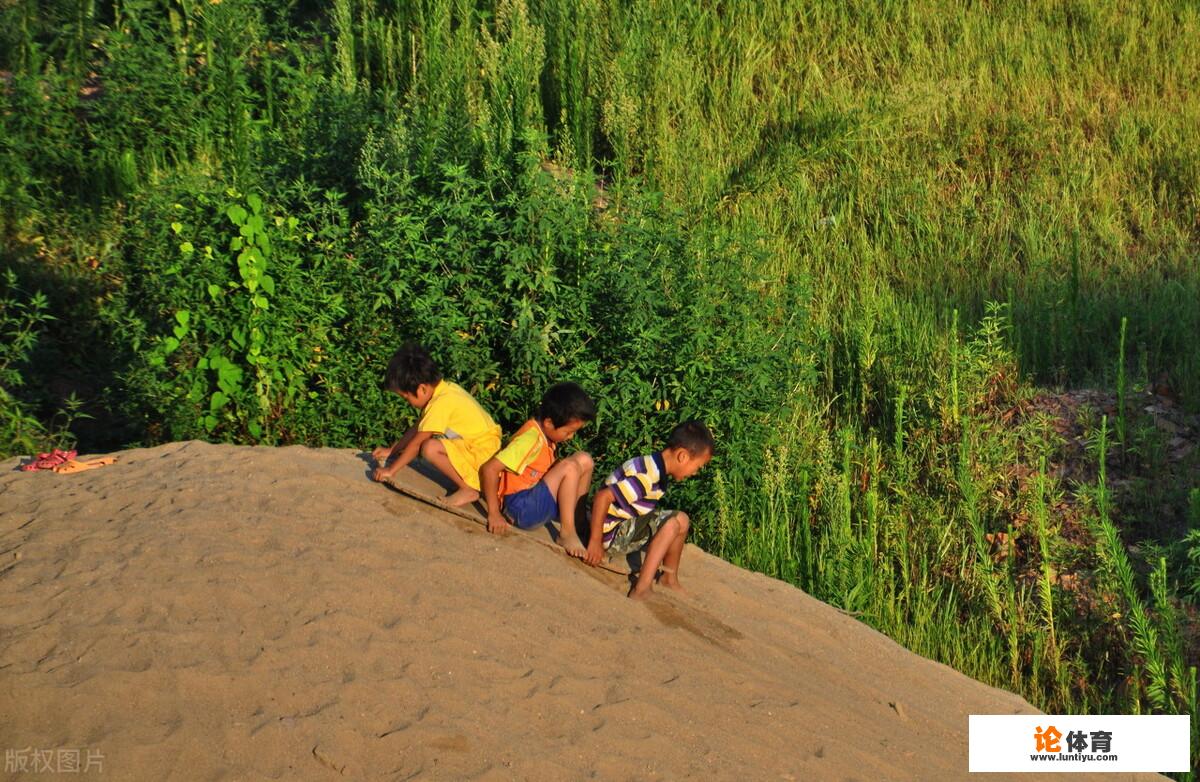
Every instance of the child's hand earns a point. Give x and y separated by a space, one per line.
497 525
595 553
381 454
382 474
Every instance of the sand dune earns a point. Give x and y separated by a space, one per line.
200 612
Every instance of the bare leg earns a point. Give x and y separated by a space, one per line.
670 563
568 481
665 549
434 452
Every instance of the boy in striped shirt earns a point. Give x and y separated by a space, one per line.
625 513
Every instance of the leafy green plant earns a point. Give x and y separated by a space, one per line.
1191 545
20 431
22 317
221 313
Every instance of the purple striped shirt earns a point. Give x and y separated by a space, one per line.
637 486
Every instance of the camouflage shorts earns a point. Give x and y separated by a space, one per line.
632 534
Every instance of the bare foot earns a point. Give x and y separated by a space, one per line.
462 497
671 581
634 594
573 545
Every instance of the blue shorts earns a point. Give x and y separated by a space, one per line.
532 507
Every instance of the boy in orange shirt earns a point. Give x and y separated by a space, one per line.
525 485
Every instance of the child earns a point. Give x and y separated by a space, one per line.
625 514
454 433
526 482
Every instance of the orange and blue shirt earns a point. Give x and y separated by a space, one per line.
526 459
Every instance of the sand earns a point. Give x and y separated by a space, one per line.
202 612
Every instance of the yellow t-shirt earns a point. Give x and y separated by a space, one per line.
469 434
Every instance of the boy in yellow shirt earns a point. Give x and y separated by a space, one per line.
525 485
454 433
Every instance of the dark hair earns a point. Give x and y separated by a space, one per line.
565 402
411 366
694 437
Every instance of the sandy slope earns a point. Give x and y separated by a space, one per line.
211 612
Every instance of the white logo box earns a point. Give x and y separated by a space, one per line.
1007 742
